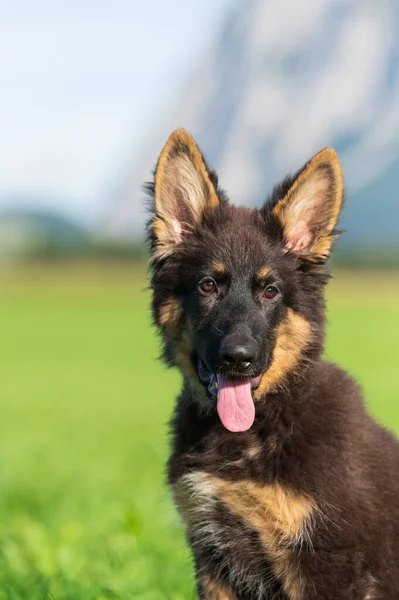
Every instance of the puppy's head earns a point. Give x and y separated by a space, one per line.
237 293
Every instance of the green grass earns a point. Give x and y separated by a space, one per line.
84 511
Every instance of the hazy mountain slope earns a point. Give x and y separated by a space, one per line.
280 82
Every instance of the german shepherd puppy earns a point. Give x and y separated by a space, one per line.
289 490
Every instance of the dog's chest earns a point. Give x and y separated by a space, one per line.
239 525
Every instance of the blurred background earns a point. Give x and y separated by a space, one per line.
89 93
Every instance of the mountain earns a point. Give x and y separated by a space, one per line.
371 214
281 81
35 232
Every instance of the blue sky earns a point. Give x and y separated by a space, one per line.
80 83
90 90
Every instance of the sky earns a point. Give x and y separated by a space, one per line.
282 80
90 90
332 76
80 82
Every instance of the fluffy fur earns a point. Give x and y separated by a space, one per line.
305 504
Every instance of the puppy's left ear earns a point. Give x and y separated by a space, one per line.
309 210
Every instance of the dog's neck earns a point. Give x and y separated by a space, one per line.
273 445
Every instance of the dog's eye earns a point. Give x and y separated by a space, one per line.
270 292
207 286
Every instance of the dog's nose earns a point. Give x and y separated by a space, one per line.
238 351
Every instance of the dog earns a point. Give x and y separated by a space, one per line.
287 487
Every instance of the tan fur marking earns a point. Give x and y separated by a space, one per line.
371 585
253 451
218 267
170 312
178 331
293 335
181 347
308 184
272 443
167 237
275 510
180 167
215 590
281 517
263 273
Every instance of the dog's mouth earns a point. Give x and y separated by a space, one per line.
210 380
235 405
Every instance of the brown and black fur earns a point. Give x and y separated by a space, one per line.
305 504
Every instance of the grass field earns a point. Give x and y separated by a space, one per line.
84 512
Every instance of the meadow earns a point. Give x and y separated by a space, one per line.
84 510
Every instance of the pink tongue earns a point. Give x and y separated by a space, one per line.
235 405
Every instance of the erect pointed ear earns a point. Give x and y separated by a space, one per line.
183 191
309 211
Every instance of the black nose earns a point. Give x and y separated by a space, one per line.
238 351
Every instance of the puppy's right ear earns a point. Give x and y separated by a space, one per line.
183 191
